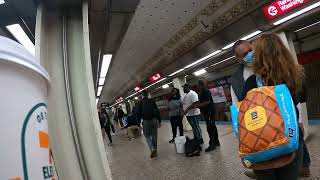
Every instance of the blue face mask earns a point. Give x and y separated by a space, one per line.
248 58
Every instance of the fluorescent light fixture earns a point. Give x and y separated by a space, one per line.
100 88
17 31
97 100
223 61
204 58
98 93
307 27
105 65
101 81
228 46
165 86
251 35
200 72
2 2
180 70
302 11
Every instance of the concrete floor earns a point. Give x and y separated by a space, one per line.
129 160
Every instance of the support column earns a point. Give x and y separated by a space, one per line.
62 47
178 82
303 111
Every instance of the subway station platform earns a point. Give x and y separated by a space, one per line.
129 160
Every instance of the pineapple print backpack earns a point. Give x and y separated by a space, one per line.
265 123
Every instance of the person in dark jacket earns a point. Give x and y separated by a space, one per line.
149 113
105 123
175 108
206 106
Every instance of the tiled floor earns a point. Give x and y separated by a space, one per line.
129 160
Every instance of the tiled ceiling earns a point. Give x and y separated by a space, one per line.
154 22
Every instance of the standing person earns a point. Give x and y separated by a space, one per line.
175 113
120 115
275 65
190 105
105 123
244 54
149 113
111 116
206 106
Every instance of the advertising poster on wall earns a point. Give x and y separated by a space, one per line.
218 95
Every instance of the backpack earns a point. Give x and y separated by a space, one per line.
265 123
192 147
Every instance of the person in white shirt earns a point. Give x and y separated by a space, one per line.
190 106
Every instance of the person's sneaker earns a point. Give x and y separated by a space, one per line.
210 148
112 134
171 141
110 144
250 174
305 172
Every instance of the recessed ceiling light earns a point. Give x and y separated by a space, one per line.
17 31
101 81
200 72
100 88
165 86
105 65
2 2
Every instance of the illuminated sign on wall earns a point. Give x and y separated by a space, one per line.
281 7
137 88
155 78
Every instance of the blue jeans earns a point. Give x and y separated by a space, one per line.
194 122
150 131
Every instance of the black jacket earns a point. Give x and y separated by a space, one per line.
148 110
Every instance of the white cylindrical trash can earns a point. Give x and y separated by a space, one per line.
180 141
25 149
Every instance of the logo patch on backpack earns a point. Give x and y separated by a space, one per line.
254 115
255 118
291 133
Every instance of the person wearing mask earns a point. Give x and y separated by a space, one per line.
105 123
275 65
244 54
149 113
111 115
190 105
175 113
206 106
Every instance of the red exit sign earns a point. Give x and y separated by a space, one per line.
155 78
281 7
